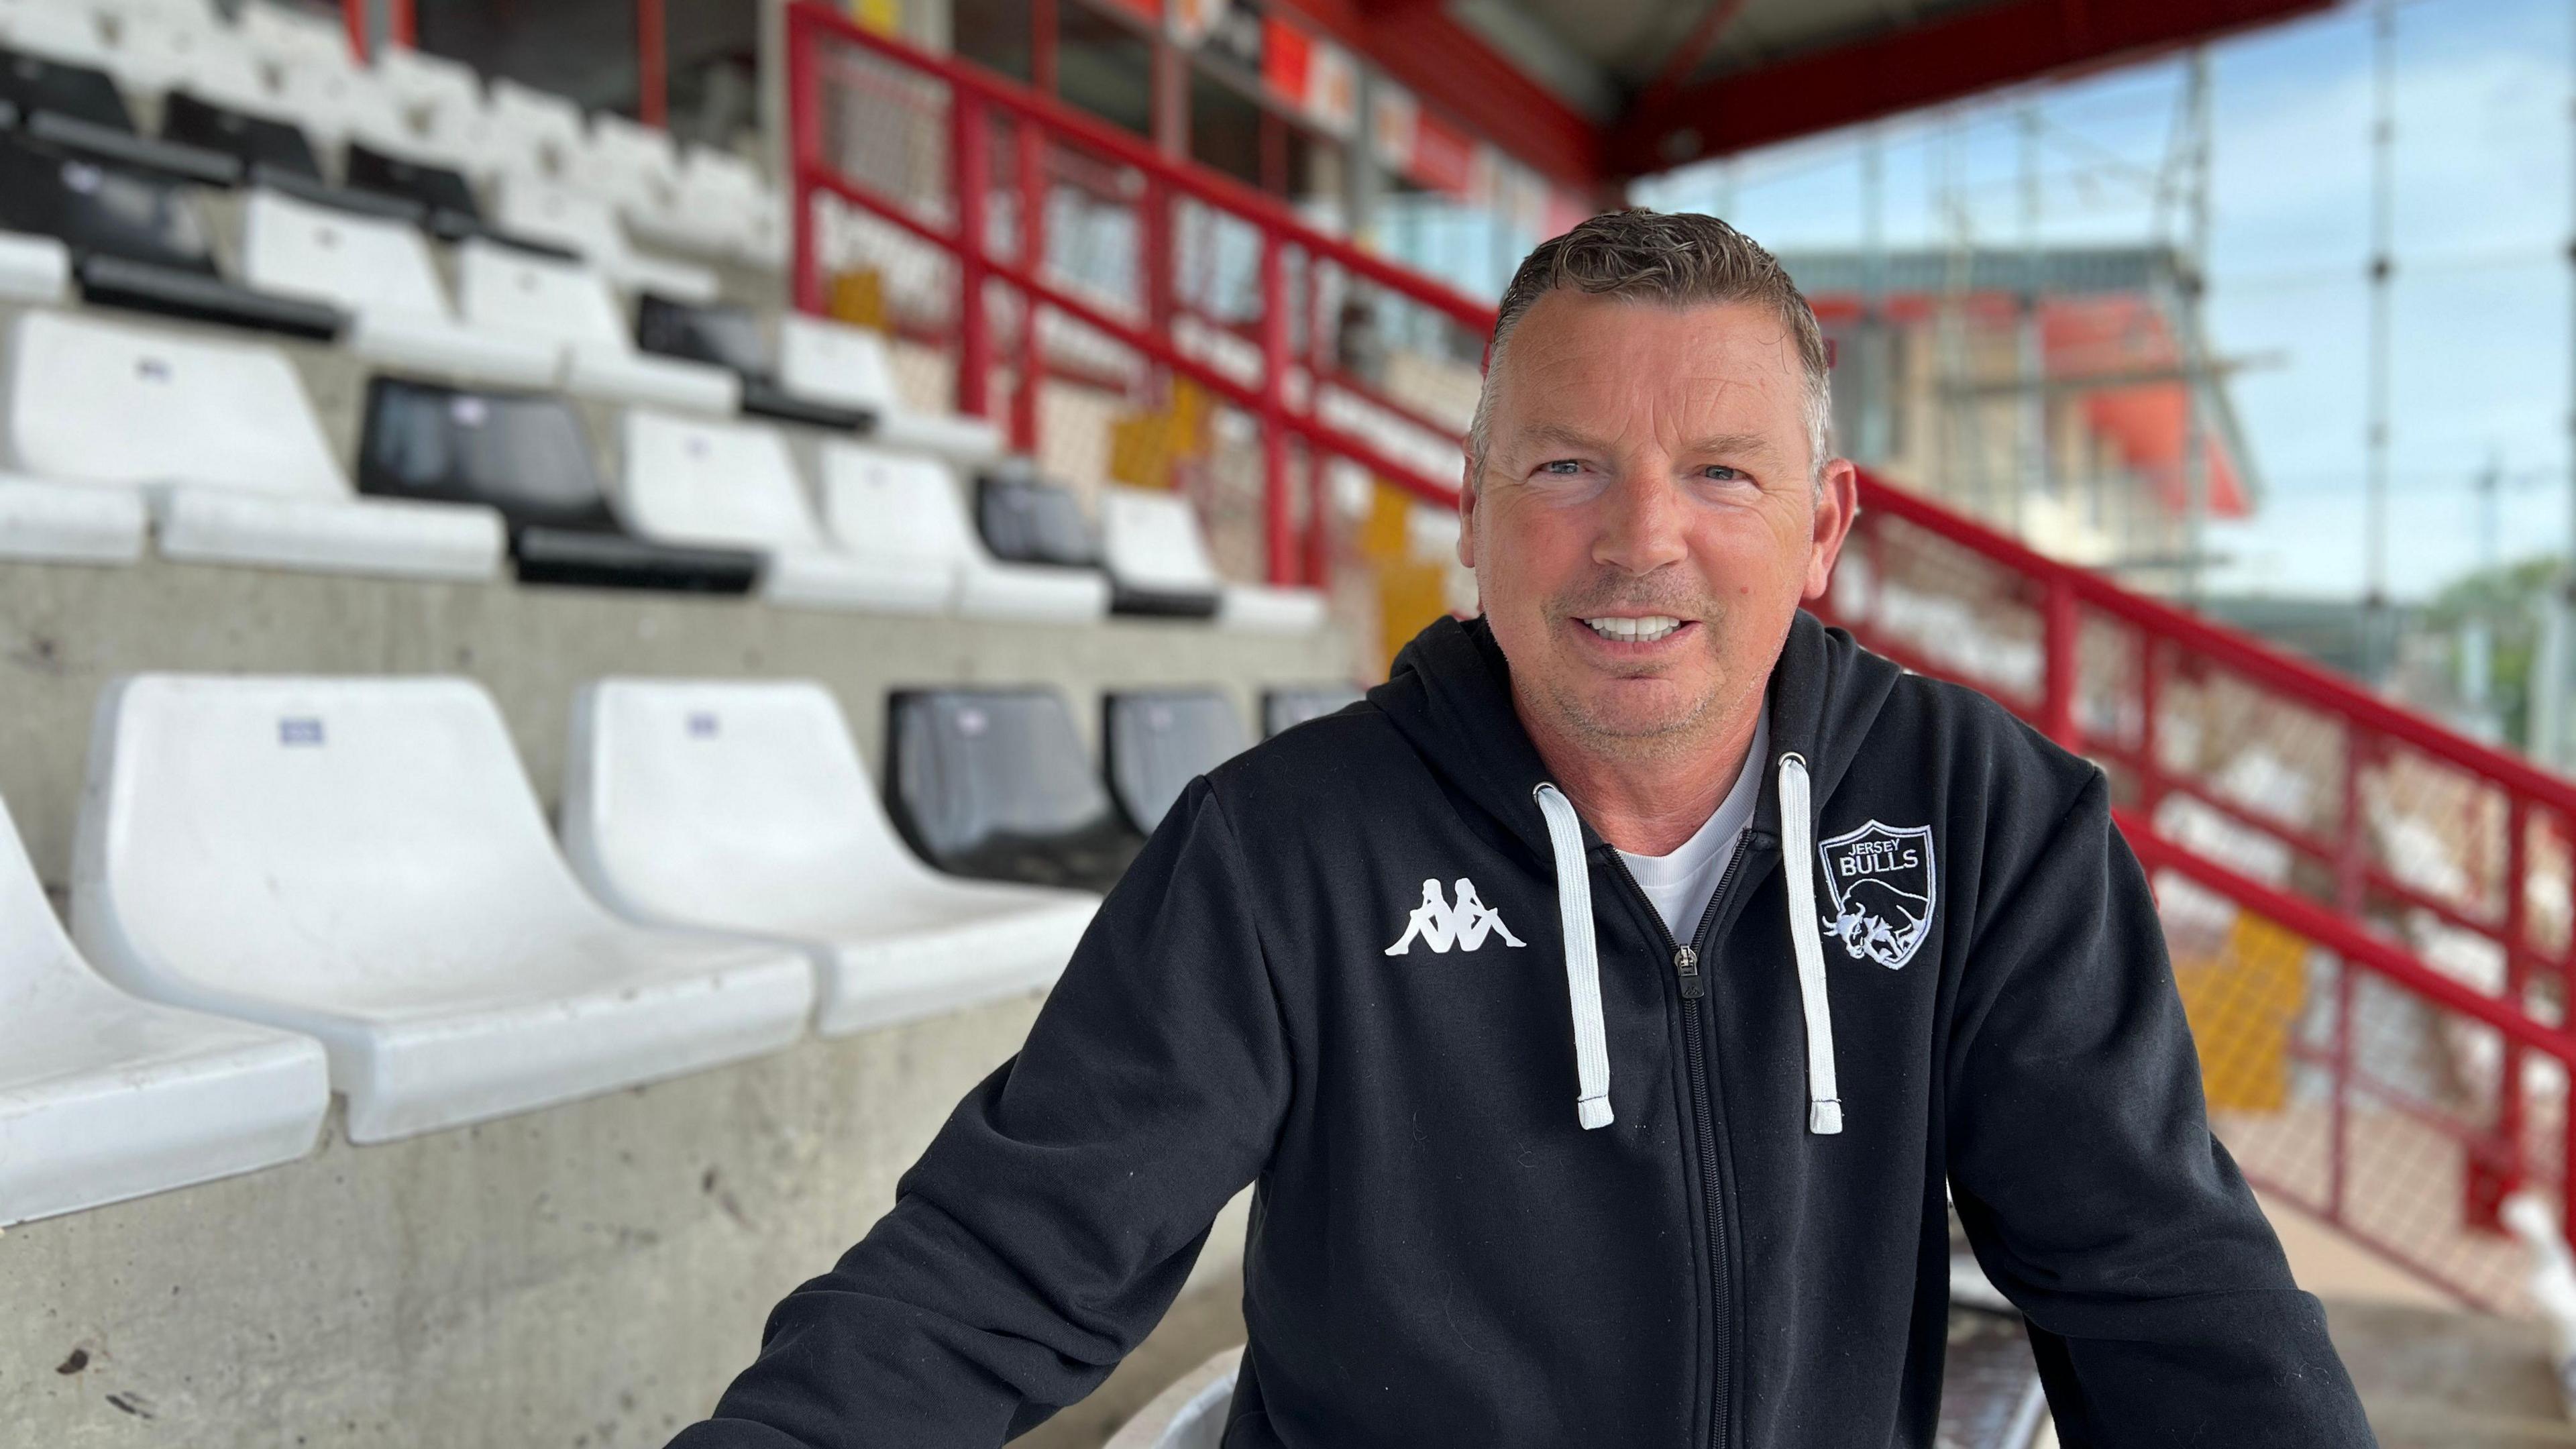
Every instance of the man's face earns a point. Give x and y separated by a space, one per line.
1646 522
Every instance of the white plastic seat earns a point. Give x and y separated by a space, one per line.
714 196
34 268
339 103
381 272
836 363
632 164
283 36
441 99
363 860
543 128
59 32
155 53
105 1097
515 293
745 807
732 485
225 447
904 507
540 210
1151 541
69 522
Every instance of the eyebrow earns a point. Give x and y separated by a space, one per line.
1739 444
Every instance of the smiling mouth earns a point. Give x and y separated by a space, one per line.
1647 629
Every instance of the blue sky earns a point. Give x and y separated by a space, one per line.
2481 305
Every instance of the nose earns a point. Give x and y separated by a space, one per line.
1640 528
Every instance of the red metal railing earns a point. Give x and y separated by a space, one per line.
2369 913
880 85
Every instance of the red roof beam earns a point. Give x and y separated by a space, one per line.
1994 45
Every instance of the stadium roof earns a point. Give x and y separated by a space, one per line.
1588 90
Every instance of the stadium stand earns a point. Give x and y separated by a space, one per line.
104 1097
889 506
508 291
730 336
525 454
995 783
1158 563
698 481
1157 741
234 464
743 806
834 363
1287 708
387 884
379 269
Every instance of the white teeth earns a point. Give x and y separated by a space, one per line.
1643 631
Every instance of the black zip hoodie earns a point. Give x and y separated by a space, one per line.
1446 1250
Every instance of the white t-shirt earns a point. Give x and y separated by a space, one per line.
1681 883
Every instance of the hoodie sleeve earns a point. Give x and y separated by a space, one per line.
2161 1308
1056 1215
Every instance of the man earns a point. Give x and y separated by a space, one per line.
1782 941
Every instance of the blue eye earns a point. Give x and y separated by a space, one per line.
1721 473
1562 467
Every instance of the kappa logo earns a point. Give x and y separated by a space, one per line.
1883 887
1441 925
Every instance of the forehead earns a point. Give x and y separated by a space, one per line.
1606 359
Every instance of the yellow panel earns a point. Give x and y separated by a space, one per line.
2243 1005
858 298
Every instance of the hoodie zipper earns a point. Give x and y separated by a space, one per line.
1694 990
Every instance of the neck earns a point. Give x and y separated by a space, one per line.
1645 801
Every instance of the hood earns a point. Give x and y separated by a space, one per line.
1450 696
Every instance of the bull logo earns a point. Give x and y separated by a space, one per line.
1883 887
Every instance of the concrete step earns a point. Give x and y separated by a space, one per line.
2432 1379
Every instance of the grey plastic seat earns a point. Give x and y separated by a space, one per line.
743 806
363 860
995 783
105 1097
1158 740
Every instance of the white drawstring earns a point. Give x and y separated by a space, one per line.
1798 845
1582 957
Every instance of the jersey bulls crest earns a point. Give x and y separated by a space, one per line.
1883 887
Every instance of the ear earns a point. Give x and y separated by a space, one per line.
1467 513
1837 504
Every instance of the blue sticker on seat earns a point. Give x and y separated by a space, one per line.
702 726
299 731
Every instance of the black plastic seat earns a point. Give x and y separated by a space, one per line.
33 84
1292 705
262 144
137 240
729 336
447 209
525 455
1158 740
1028 520
995 783
79 109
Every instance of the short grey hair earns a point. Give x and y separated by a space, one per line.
1679 259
